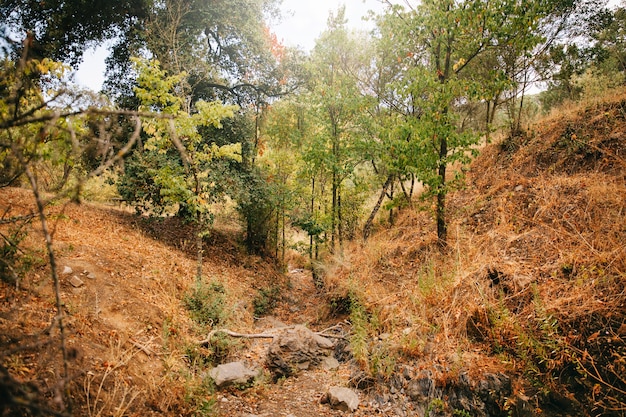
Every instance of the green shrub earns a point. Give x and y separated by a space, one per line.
266 300
206 304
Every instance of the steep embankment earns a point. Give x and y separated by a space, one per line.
533 283
125 284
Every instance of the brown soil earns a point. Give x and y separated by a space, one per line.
127 332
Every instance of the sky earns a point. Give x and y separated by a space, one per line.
302 23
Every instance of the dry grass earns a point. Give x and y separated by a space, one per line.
534 278
127 329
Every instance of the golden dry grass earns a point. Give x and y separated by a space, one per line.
536 265
128 330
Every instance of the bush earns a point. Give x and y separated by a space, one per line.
265 300
206 304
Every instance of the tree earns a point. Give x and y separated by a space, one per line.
454 53
44 122
596 46
56 32
187 180
339 105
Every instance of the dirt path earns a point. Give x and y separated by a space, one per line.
297 396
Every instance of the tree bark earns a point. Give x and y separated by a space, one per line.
442 228
367 229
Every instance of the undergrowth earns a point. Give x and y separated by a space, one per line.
206 304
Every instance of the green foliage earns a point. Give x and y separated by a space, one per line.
206 303
338 108
59 35
256 205
461 413
436 405
265 300
360 332
377 359
588 61
200 397
178 168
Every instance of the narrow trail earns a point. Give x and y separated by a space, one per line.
297 396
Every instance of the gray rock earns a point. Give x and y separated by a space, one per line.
422 388
67 270
329 363
91 275
341 398
232 373
76 282
323 342
296 348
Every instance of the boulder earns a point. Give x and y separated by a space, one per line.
341 398
296 348
329 363
232 373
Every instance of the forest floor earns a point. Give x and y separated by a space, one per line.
131 342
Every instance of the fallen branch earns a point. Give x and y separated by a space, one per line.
269 334
235 334
142 347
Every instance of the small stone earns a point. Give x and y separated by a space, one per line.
232 373
91 275
76 282
67 270
340 398
519 188
329 363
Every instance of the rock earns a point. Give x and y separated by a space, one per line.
422 388
232 373
329 363
91 275
67 270
340 398
323 342
76 282
296 348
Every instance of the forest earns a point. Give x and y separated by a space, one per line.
404 170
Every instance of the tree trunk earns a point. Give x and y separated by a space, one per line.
367 229
276 232
333 213
312 216
391 195
199 248
442 229
284 236
339 220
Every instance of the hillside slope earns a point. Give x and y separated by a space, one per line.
124 283
526 308
533 283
